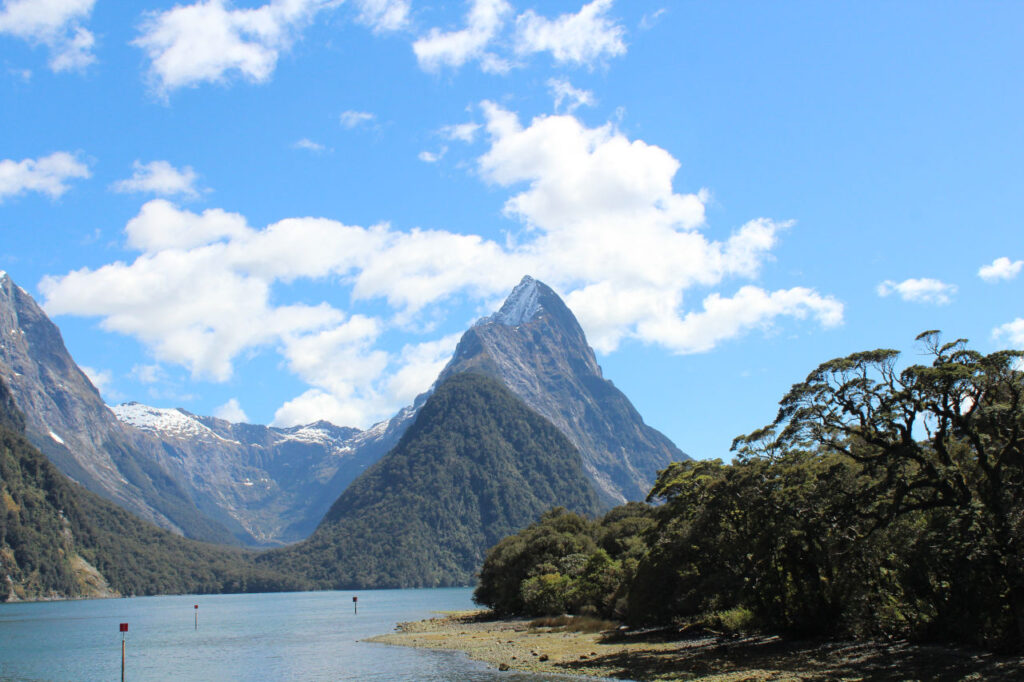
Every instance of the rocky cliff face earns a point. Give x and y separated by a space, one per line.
275 482
535 346
66 418
200 476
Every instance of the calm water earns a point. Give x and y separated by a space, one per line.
292 636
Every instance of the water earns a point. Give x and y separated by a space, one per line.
290 636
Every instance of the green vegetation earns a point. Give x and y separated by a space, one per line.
879 503
567 563
476 465
49 525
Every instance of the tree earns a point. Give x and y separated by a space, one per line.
945 440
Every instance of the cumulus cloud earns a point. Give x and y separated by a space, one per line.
46 175
574 98
232 412
923 290
57 24
159 177
1011 332
384 15
352 119
462 132
604 225
581 38
454 48
1000 268
208 41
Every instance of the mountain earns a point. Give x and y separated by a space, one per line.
67 420
535 346
203 477
476 465
277 483
58 540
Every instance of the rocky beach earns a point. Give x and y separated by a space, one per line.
557 646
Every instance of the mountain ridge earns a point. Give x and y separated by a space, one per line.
476 465
535 345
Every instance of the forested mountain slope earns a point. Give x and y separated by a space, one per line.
476 465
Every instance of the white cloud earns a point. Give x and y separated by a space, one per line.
207 41
463 132
160 225
432 157
148 374
384 15
648 21
57 24
1001 268
351 119
563 91
159 177
309 145
454 48
421 363
232 412
100 378
1012 332
604 225
581 38
918 290
47 174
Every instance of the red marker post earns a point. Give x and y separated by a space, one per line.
124 629
196 609
355 605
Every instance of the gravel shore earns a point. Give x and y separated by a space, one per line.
514 644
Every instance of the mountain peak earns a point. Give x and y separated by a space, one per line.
522 305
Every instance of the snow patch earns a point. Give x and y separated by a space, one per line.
167 421
521 306
309 434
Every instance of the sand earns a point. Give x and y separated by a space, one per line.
668 655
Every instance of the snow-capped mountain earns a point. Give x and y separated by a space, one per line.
275 482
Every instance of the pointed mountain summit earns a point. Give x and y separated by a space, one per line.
536 347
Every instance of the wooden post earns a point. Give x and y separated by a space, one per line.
355 605
124 629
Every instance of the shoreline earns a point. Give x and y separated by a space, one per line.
516 644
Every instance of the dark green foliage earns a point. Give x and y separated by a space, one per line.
476 466
879 503
46 521
566 563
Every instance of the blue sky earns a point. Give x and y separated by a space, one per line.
289 210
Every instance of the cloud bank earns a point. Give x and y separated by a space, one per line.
602 223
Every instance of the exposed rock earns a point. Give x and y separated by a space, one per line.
537 348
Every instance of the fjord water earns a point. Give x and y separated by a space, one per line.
284 636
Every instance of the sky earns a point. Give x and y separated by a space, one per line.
279 211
